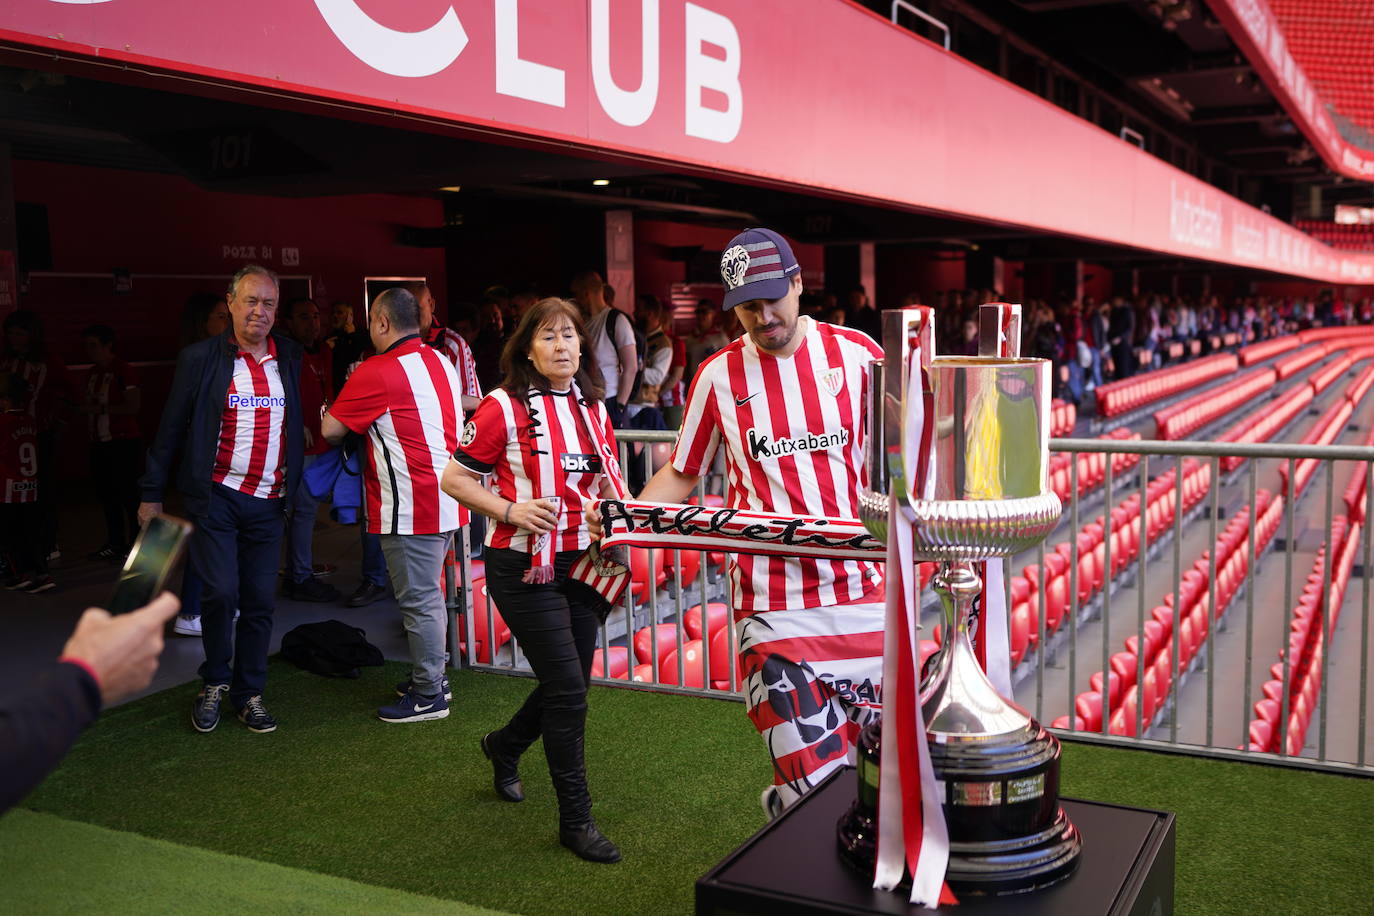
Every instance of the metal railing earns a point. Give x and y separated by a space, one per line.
656 638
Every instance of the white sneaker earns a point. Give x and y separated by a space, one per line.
186 625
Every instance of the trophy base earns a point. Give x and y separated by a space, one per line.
996 868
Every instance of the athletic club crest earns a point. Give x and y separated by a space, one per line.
734 264
831 381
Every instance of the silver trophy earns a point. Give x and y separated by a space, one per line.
982 494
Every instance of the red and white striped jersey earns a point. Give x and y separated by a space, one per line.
18 457
49 384
450 343
251 457
501 439
793 433
106 388
406 401
676 395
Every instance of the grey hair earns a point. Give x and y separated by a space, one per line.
245 271
401 307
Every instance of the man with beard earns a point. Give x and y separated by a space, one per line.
785 404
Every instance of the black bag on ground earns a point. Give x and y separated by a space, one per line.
331 648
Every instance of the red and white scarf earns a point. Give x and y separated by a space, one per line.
545 473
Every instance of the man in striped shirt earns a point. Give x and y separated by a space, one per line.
406 401
112 404
448 342
785 404
234 412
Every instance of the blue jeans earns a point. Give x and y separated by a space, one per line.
374 561
301 533
235 550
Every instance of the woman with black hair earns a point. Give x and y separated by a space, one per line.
546 439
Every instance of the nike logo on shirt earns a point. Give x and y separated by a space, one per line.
740 402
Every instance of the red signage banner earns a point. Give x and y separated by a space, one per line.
819 95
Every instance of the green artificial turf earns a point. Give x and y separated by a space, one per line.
676 782
1252 838
111 871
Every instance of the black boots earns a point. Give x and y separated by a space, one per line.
588 842
563 747
505 776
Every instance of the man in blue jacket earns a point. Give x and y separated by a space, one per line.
235 414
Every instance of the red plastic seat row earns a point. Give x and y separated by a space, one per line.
1326 375
1258 352
1294 363
1092 466
1357 389
1326 431
1127 691
1063 417
1118 397
1051 585
1178 420
662 638
1263 422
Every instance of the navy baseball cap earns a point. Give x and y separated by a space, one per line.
757 264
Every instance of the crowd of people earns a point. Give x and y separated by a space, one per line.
506 424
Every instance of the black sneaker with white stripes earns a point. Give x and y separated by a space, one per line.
256 717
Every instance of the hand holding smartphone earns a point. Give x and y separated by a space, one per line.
159 546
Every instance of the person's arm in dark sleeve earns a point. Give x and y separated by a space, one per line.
39 725
171 431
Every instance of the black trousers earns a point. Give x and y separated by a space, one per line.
556 626
115 468
18 522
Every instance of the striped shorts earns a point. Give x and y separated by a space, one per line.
812 681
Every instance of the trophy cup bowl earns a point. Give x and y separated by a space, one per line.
989 499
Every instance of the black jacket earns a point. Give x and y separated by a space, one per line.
39 724
190 421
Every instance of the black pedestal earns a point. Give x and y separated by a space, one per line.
792 866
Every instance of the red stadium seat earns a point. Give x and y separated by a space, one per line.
717 615
481 602
1113 687
640 573
620 662
1088 707
721 660
1020 632
688 561
644 642
693 663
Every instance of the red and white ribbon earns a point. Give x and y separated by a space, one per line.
912 835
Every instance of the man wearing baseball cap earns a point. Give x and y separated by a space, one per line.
786 404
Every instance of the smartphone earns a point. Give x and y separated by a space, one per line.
159 546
